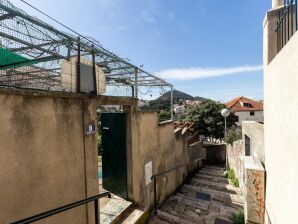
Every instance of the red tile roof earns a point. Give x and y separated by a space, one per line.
236 105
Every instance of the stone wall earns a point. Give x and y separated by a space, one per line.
195 154
235 154
215 153
165 148
46 160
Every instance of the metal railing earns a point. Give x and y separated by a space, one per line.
65 208
195 138
286 23
161 174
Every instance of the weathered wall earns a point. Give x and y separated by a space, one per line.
195 154
46 161
245 116
215 153
255 131
281 142
235 154
162 145
254 190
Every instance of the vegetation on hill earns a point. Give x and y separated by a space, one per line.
164 101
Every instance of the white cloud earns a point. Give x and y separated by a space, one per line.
200 73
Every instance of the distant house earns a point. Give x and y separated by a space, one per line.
246 109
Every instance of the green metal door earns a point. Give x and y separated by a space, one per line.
114 163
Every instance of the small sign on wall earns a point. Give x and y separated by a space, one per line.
90 129
148 172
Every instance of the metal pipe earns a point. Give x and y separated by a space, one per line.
172 104
79 68
97 221
136 83
61 209
155 204
94 72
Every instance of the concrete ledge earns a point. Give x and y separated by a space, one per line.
102 100
165 122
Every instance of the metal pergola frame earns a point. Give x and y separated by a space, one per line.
43 45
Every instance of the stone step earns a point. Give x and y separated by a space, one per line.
211 207
156 220
232 200
114 210
227 189
185 209
212 178
218 168
207 189
171 218
138 215
214 184
211 173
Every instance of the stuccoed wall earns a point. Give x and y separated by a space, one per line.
245 116
165 147
255 131
42 155
281 142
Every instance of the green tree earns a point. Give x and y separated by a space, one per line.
208 118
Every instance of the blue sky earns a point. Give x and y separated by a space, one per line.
205 48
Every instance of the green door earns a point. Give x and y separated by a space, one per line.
114 163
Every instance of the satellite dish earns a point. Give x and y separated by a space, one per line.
225 113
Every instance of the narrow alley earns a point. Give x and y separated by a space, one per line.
207 198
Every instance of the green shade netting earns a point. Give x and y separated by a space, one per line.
9 59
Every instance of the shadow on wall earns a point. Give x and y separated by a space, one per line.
216 154
164 146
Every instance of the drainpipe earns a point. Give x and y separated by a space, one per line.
277 3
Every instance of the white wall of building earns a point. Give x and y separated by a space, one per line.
245 116
281 128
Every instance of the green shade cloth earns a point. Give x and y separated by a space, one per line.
9 59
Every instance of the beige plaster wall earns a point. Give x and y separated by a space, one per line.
45 159
255 131
281 142
245 116
162 145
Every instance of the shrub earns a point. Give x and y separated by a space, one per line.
232 177
164 116
238 217
233 135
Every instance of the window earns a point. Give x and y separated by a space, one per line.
252 113
247 105
247 146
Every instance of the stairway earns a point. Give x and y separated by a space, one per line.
207 198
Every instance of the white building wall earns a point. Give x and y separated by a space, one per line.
245 116
281 132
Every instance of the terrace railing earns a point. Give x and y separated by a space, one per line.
287 23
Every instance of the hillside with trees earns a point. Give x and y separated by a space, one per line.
164 101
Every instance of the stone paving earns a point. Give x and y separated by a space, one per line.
208 198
